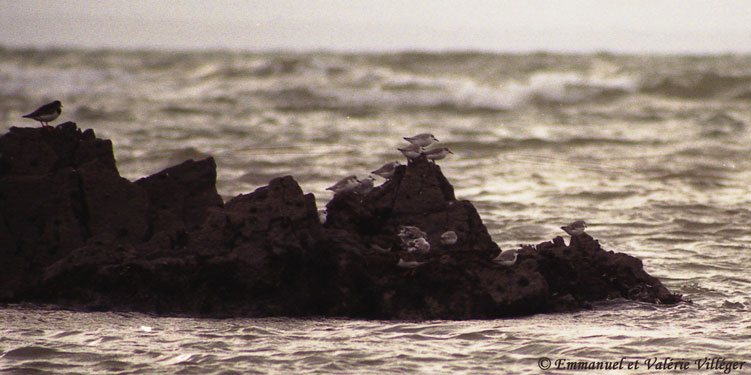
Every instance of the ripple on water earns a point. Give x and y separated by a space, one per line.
32 352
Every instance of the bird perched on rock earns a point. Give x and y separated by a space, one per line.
418 246
322 215
507 258
422 140
576 228
449 238
364 186
344 185
410 264
437 153
387 170
46 113
413 151
408 233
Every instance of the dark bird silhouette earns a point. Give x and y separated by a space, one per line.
46 113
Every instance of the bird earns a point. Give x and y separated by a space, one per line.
418 246
437 153
575 229
411 264
422 140
46 113
387 170
344 185
408 233
448 238
413 151
507 258
322 215
364 186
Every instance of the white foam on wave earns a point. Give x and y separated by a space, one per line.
402 90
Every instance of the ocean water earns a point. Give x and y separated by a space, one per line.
652 151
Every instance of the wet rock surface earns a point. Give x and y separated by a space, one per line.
75 233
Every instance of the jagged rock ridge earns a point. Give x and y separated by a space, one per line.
75 233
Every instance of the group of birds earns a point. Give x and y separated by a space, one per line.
508 258
416 243
417 145
413 238
46 113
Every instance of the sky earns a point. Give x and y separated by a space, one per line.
620 26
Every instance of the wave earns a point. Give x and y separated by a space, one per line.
701 85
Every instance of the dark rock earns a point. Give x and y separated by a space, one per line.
114 206
73 232
36 151
179 200
418 195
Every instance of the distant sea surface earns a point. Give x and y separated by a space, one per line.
652 151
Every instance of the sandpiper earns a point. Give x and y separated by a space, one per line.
412 151
422 140
449 238
322 215
507 258
408 233
418 246
437 153
576 228
364 186
409 263
387 170
344 185
46 113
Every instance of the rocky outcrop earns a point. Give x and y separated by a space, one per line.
75 233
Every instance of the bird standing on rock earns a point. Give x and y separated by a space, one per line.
418 246
422 140
413 151
575 229
449 238
387 170
437 153
46 113
344 185
507 258
365 186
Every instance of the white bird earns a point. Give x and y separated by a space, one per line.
409 264
412 151
364 186
507 258
387 170
408 233
418 246
344 185
422 140
449 238
322 214
437 153
576 228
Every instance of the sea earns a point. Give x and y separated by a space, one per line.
652 151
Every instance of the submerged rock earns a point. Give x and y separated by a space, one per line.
75 233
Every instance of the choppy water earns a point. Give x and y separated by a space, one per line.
653 151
